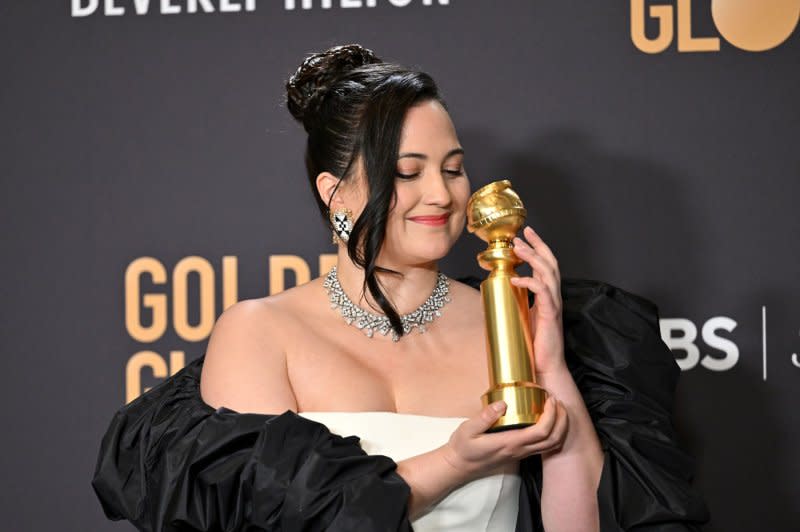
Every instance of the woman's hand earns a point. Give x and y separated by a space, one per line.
471 453
474 453
546 321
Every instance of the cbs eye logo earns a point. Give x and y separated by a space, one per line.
751 25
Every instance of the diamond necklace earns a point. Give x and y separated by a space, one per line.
370 323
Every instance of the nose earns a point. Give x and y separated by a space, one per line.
437 190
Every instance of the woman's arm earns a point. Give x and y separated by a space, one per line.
472 453
245 367
570 477
432 475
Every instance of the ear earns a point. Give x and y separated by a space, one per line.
326 185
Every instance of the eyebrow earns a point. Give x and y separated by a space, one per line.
454 151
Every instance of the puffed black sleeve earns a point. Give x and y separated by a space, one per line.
169 462
627 377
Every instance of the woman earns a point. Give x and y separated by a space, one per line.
343 355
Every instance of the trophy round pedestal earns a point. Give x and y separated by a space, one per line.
525 402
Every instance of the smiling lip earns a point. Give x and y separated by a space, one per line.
431 220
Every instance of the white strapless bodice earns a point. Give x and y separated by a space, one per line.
486 504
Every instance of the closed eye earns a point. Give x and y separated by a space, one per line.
407 176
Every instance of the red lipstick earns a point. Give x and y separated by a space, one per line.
431 220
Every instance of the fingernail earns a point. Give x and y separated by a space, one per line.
499 406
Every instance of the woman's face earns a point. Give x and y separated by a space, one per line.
431 189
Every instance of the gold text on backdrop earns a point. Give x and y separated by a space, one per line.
751 25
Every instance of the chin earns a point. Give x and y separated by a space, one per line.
420 253
430 251
420 248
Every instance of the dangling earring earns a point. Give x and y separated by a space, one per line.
342 221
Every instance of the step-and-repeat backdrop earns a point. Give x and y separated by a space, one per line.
152 177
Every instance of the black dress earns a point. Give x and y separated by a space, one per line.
169 462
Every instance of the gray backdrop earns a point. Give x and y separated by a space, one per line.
130 142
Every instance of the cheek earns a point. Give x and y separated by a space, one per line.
395 224
401 204
459 222
461 195
461 198
404 199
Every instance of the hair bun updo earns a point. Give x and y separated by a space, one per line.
353 107
307 87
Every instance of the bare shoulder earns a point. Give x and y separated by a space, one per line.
245 363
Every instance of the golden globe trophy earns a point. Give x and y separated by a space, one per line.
495 213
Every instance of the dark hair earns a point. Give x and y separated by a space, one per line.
352 104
